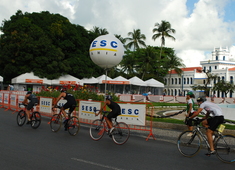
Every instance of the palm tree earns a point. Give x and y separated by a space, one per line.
128 64
136 39
163 30
175 63
145 59
99 31
123 40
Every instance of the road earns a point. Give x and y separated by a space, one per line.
24 148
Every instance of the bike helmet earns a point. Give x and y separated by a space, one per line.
189 93
108 97
29 92
201 99
63 90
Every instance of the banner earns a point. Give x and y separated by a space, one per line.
13 99
6 98
45 105
87 108
133 114
1 98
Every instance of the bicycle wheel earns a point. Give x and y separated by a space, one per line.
97 129
121 133
225 148
36 120
187 145
55 122
73 125
21 118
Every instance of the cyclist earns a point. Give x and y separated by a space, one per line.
211 123
29 100
190 110
116 110
71 104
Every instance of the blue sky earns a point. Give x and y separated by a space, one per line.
200 25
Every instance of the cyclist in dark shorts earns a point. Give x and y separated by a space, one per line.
116 110
71 104
214 117
29 100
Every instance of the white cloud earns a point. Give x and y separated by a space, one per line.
197 33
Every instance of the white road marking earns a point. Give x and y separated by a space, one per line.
96 164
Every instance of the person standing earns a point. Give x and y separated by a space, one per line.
190 109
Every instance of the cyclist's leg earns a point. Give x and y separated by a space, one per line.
111 115
28 110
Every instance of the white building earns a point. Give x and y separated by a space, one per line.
221 64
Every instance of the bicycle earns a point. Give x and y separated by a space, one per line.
35 117
72 124
224 144
120 134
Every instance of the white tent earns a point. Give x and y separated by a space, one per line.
137 81
66 79
29 78
91 80
120 80
154 83
101 79
1 79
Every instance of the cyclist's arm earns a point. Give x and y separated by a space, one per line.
196 113
25 101
101 109
58 99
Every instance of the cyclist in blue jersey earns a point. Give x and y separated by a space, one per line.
115 111
71 104
29 100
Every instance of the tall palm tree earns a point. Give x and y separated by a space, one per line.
128 64
163 31
136 39
123 40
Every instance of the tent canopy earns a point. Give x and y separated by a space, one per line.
1 79
154 83
101 79
29 78
65 80
91 80
137 81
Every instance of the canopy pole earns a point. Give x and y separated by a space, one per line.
105 84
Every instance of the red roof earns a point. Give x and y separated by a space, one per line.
198 69
231 69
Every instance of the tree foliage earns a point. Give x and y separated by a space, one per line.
224 87
47 44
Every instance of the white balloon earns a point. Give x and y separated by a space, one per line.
106 51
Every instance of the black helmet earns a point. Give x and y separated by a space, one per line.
63 90
108 97
29 92
201 99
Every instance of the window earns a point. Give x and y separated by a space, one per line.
184 80
172 81
210 68
191 80
179 80
223 57
175 80
187 80
215 67
231 79
216 58
165 81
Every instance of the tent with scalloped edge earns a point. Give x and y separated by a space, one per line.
29 78
101 79
91 80
66 80
154 83
137 81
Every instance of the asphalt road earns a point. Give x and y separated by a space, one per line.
24 148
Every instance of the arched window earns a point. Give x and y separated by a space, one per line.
175 80
187 80
223 57
184 80
231 79
215 67
216 58
210 68
172 81
179 80
191 80
165 81
222 78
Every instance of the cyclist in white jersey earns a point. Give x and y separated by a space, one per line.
214 117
